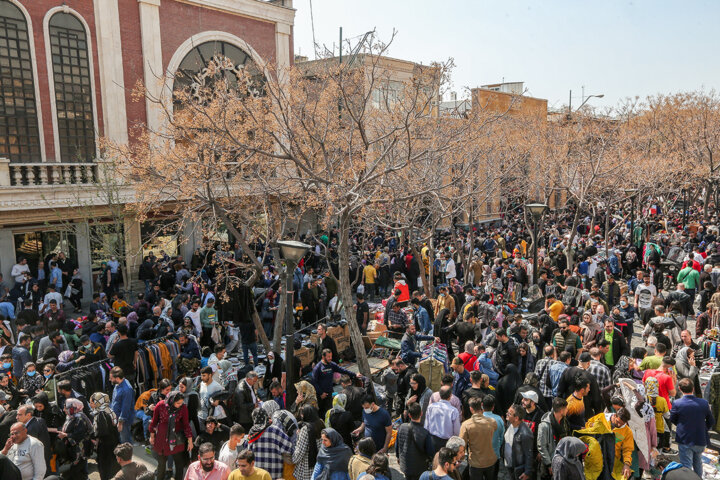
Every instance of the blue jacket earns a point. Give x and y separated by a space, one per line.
191 350
462 383
322 376
485 365
123 403
56 278
694 419
408 348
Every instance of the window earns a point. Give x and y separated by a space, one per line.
19 135
73 88
192 75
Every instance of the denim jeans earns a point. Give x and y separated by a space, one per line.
140 414
691 457
126 434
252 347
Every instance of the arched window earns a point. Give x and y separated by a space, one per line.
73 88
19 133
192 72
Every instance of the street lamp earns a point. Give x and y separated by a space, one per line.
601 95
291 251
632 193
536 212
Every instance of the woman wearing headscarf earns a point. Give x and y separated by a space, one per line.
170 433
660 408
567 463
192 402
308 444
686 367
333 456
65 361
105 434
228 375
340 419
75 434
525 359
507 386
50 384
305 396
31 381
419 393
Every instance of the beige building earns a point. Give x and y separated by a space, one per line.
388 77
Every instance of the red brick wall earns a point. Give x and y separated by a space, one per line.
37 10
131 37
179 21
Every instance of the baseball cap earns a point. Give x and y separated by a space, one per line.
530 395
584 357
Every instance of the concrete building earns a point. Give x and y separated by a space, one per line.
388 76
67 73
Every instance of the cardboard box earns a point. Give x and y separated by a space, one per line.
341 335
305 355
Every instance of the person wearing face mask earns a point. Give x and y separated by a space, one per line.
30 382
628 312
274 370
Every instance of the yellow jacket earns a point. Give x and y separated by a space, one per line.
624 443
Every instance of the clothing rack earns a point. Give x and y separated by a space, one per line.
77 369
170 336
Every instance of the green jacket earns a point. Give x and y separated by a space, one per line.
208 316
689 276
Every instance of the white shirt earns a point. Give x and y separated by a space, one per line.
29 457
450 269
645 294
228 456
509 439
17 272
205 392
53 296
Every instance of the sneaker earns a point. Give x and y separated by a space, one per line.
669 451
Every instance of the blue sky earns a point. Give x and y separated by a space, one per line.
617 48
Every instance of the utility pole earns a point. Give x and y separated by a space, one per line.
570 103
340 44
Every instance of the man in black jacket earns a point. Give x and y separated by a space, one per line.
618 345
522 465
354 396
413 445
506 350
246 400
325 342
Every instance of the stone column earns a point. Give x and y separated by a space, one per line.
154 74
7 255
282 51
110 60
82 239
133 254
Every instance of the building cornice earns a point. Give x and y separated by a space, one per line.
266 11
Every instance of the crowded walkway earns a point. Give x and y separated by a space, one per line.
597 364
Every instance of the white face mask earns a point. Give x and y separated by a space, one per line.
367 410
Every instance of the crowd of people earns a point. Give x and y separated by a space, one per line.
554 386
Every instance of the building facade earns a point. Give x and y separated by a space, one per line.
68 71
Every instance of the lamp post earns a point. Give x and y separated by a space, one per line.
601 95
632 193
536 211
291 251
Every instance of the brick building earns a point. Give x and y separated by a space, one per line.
67 73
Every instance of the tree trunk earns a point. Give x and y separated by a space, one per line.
260 330
346 296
